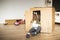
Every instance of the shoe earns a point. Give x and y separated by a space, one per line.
27 35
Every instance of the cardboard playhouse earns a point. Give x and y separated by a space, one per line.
46 16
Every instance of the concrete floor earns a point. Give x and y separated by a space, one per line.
12 32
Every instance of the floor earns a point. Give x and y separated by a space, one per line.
12 32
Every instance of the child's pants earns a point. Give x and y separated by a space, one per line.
35 30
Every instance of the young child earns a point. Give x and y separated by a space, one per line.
35 28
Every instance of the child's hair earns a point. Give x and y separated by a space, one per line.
36 17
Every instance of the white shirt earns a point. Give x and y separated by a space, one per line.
35 25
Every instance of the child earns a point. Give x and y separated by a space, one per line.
35 28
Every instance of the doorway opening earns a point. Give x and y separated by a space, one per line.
37 16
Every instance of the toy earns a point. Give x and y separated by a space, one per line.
18 22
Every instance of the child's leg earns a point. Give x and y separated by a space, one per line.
32 30
38 29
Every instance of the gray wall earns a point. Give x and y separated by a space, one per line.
15 9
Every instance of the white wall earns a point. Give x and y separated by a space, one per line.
15 9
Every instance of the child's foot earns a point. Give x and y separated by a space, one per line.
28 35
